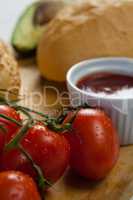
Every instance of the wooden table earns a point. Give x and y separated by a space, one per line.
119 183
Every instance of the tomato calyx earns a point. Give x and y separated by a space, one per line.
58 124
53 123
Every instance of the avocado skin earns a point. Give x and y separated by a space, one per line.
19 54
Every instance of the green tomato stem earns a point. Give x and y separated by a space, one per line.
3 129
11 119
32 111
17 139
42 182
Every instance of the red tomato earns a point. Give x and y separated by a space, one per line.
17 186
10 126
94 144
49 150
14 160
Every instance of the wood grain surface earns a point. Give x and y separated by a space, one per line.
119 183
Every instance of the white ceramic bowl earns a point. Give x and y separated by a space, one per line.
118 107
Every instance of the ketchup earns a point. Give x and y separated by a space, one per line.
105 82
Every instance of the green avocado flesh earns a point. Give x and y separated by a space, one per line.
32 23
26 35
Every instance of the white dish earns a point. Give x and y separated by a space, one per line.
119 107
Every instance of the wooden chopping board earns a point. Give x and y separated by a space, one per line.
119 183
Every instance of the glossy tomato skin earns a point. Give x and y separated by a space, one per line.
94 144
49 150
10 126
17 186
15 160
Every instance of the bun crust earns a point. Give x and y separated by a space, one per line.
85 31
9 71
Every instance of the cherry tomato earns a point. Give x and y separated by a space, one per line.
9 126
94 144
17 186
49 150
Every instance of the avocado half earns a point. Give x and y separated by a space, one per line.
31 25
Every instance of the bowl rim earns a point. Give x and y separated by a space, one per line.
93 61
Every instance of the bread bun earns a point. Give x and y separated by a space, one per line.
85 31
9 72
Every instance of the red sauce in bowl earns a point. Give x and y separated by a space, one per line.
105 82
